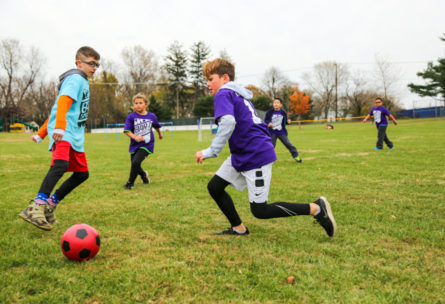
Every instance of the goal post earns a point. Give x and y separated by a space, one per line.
205 126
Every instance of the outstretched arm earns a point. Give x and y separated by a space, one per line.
393 119
225 129
366 118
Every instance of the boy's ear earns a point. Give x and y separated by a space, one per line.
226 78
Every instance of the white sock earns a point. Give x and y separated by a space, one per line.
316 213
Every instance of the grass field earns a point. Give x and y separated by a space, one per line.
157 244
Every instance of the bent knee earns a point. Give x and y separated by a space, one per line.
259 210
82 176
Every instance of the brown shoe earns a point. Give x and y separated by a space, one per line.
35 214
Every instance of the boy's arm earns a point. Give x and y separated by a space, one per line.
225 129
63 105
133 136
393 119
158 130
366 118
41 134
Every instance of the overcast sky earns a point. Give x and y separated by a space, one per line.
291 35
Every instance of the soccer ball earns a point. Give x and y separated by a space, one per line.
80 242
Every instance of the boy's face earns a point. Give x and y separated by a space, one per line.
215 82
378 102
88 65
277 105
139 105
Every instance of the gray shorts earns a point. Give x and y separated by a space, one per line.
257 180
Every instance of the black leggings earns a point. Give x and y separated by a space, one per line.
216 187
55 173
136 160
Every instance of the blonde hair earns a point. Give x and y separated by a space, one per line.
220 67
141 96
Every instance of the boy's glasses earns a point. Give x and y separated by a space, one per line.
91 63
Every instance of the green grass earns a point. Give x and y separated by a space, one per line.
157 243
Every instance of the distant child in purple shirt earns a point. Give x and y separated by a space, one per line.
252 155
276 120
139 127
380 113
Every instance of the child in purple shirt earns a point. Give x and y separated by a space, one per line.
139 127
252 156
276 120
380 113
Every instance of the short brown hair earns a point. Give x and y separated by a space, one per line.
85 52
141 96
219 66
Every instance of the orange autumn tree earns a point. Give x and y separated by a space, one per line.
299 102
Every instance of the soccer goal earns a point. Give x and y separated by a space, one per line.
205 127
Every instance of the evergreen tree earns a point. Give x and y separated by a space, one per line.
176 67
434 76
199 53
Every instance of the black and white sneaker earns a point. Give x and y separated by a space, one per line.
128 186
231 231
145 178
325 218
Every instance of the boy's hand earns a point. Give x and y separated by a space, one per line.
199 157
36 138
138 138
57 137
270 125
160 136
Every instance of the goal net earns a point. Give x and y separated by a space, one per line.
205 127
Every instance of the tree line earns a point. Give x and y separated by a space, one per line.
177 89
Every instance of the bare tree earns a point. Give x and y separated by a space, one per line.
326 81
356 93
141 70
387 76
20 68
273 80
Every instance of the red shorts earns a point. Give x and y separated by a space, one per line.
77 162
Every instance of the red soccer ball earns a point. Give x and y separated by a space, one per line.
80 242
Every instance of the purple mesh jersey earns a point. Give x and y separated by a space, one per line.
250 144
142 125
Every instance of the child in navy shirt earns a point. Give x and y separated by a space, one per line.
380 113
276 120
252 156
138 126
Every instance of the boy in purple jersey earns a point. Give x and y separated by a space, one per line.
252 156
276 120
380 113
138 126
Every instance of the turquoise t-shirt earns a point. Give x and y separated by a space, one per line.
76 87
